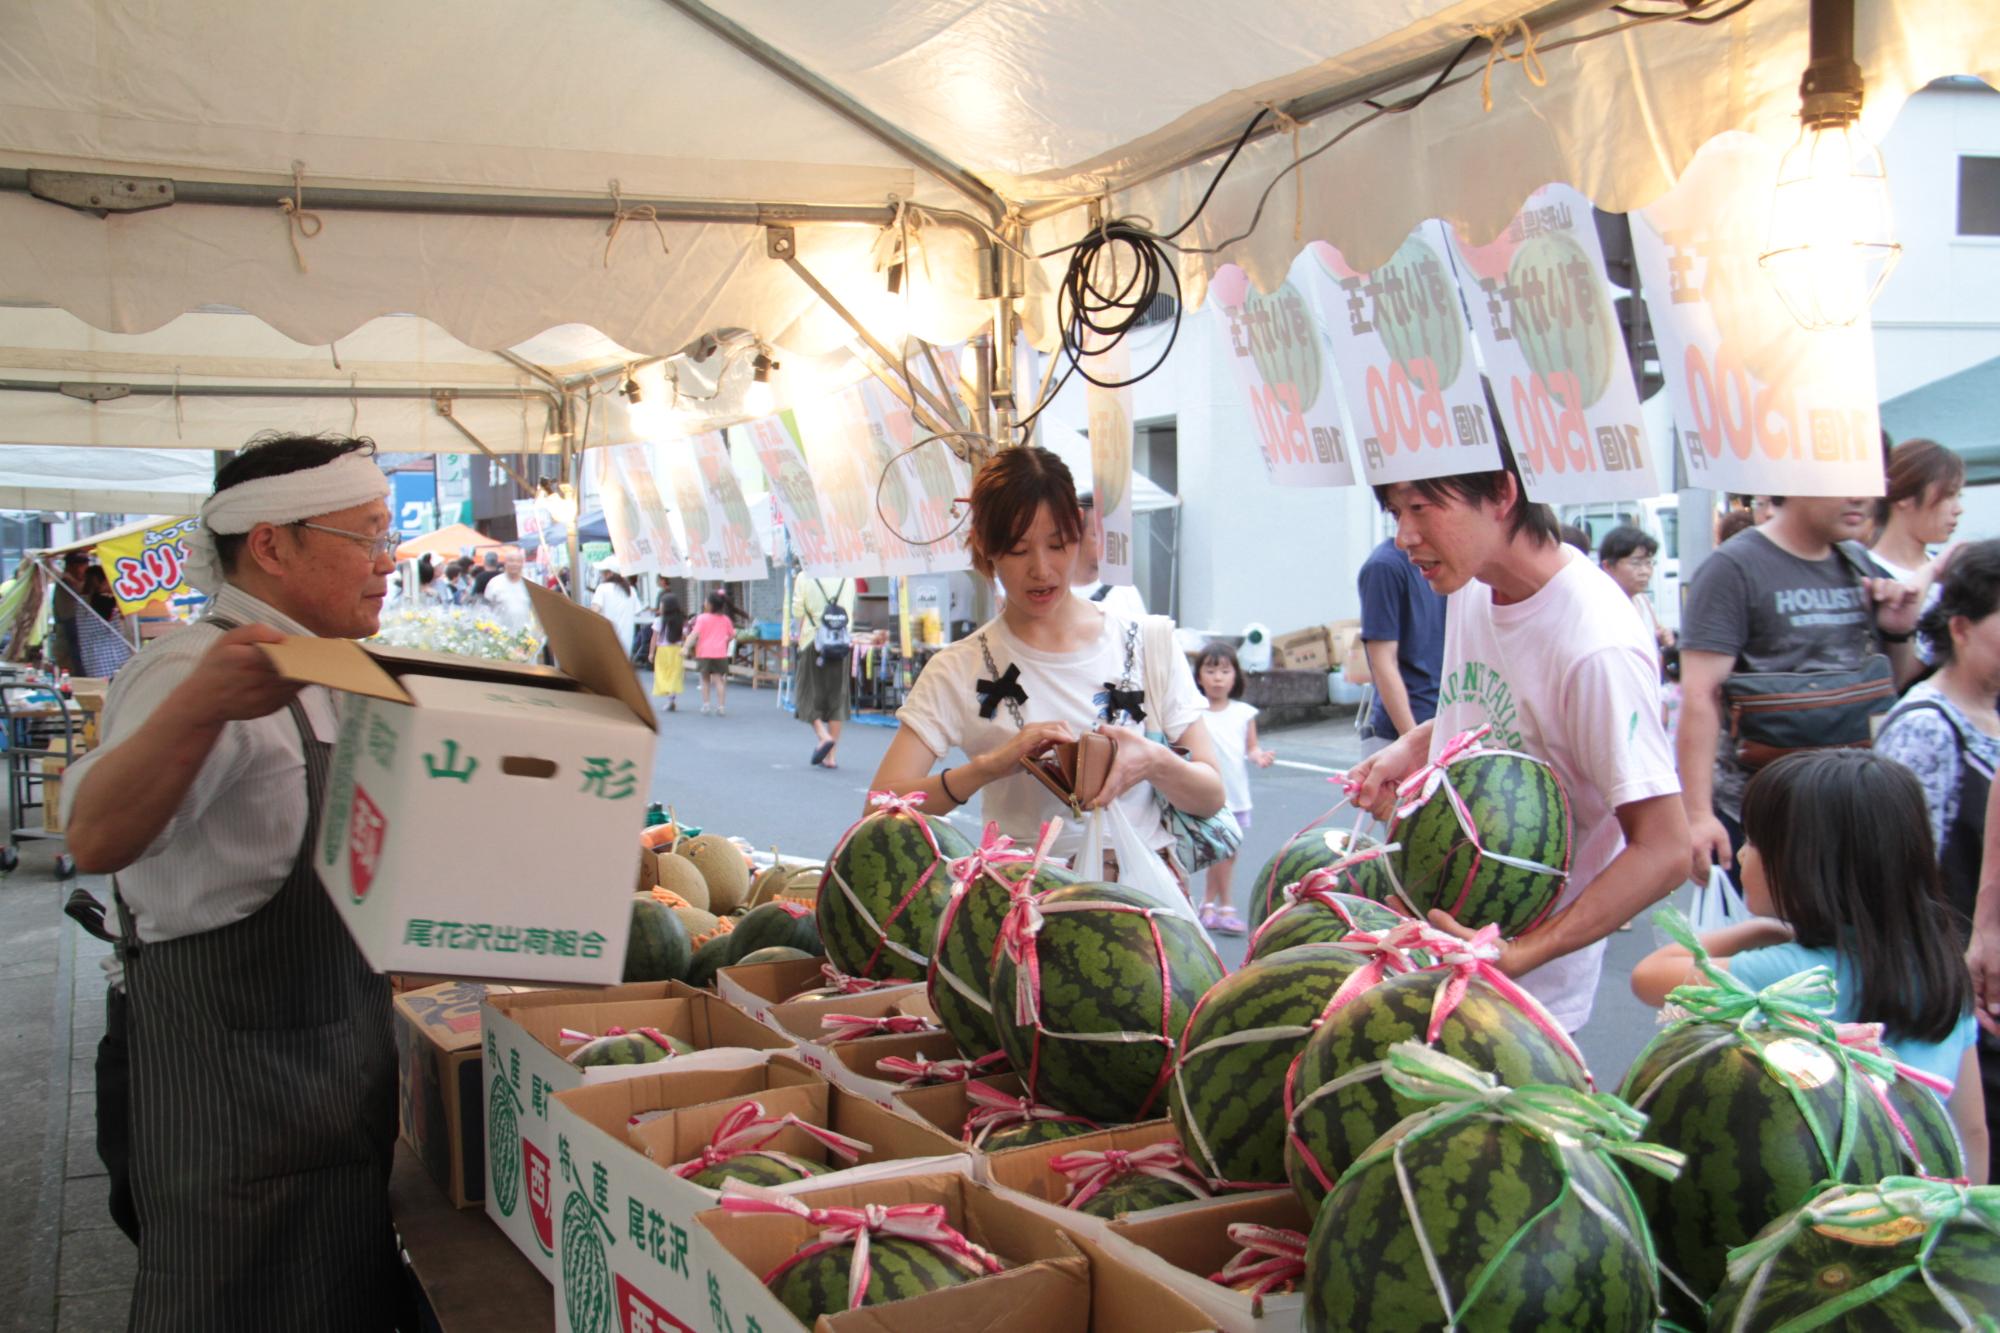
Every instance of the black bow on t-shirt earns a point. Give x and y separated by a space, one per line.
1124 701
992 693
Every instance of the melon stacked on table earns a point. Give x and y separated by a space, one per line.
708 912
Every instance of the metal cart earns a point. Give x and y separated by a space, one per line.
38 722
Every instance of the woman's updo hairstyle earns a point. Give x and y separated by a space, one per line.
1012 485
1970 588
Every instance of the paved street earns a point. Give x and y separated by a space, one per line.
62 1265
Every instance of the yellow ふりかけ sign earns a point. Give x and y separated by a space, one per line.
148 566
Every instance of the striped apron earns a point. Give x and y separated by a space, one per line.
263 1115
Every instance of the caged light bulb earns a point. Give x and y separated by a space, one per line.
1832 241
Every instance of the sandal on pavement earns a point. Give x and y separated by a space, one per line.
1228 923
821 752
1208 916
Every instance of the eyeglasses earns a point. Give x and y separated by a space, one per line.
1638 561
377 547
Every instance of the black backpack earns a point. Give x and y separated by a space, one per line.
831 638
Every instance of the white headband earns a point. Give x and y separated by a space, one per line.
349 480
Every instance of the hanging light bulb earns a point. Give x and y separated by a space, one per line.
1832 240
558 501
758 399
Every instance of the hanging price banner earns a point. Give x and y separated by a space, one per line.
633 514
1111 466
1405 358
721 542
1762 406
827 545
932 479
1541 312
1279 351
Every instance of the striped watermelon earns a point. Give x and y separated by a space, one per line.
1110 962
628 1048
883 891
1312 916
1932 1147
1134 1192
898 1269
759 1168
1517 808
1310 849
1031 1132
1736 1097
1243 1037
1331 1127
961 971
1933 1248
658 948
782 924
1523 1223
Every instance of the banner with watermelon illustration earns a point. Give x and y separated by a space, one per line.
722 541
932 477
1762 406
827 545
633 514
1280 354
1404 353
1111 465
1541 313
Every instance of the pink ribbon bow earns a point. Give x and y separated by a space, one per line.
918 1071
993 1109
1415 789
894 803
925 1223
1271 1257
846 985
1089 1172
995 849
654 1035
1868 1037
746 1129
850 1027
1466 960
1386 952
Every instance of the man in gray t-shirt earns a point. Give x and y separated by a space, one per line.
1782 597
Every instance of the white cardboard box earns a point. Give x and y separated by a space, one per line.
525 1069
479 819
1180 1247
649 1258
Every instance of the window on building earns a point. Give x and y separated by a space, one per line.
1979 196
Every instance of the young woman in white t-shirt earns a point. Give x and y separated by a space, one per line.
1047 668
1232 725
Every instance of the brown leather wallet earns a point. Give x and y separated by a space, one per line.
1074 771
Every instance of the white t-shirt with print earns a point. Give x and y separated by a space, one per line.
943 712
1568 676
1229 728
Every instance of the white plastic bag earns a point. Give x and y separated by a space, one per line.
1717 903
1139 867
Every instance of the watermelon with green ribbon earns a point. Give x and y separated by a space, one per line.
1914 1101
1904 1253
1337 1098
1092 986
1756 1088
1484 836
885 888
1493 1209
985 885
865 1256
1245 1036
1314 847
1351 894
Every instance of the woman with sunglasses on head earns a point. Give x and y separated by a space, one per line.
1048 668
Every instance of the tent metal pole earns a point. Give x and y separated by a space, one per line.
935 415
107 392
1554 14
444 410
838 101
109 192
948 398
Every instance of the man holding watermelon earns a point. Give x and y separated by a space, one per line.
263 1067
1547 652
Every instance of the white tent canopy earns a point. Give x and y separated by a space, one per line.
995 108
127 481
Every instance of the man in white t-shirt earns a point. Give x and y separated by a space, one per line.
508 593
1549 653
1121 599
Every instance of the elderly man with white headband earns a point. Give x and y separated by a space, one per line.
262 1065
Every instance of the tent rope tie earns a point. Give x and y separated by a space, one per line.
1287 124
299 220
620 215
1529 59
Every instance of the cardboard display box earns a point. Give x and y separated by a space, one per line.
757 988
855 1065
804 1023
1024 1175
1181 1247
52 767
541 777
655 1259
1053 1283
442 1090
1349 657
1301 650
525 1068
